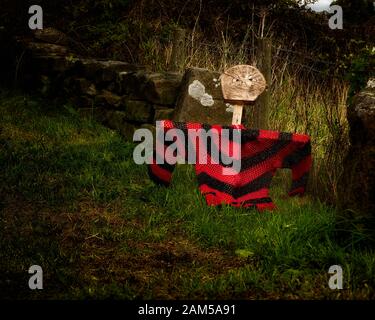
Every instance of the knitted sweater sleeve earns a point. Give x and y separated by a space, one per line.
299 161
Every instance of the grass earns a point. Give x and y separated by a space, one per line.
74 202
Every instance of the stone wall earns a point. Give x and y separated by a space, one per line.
122 96
359 179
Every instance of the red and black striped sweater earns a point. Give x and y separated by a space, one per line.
262 152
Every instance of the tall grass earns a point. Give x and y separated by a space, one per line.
319 110
304 98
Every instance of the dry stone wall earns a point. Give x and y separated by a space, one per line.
122 96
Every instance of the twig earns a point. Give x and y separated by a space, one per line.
195 24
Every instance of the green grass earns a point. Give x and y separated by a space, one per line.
74 202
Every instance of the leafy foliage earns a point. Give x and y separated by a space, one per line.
356 11
361 68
